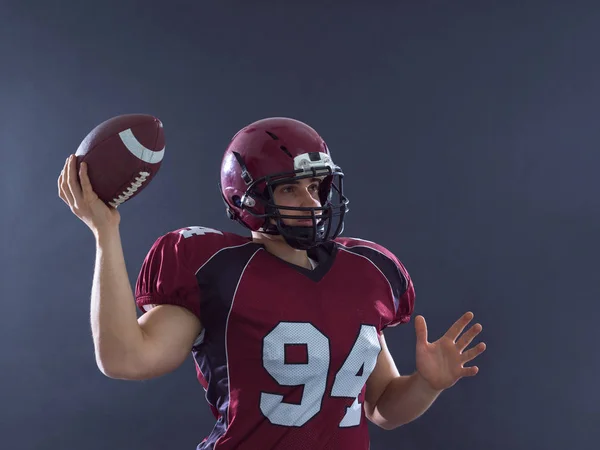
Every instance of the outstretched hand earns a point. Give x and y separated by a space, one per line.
441 363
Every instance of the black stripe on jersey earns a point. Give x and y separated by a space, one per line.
396 279
218 279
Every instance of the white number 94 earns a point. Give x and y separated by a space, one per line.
349 380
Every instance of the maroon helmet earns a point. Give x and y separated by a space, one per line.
276 151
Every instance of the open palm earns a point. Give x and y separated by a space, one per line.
441 363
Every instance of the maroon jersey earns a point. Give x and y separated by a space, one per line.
285 352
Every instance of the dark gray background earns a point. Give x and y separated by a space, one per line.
468 132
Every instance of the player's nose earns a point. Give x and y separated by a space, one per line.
308 199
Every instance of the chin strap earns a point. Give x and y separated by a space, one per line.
292 241
270 229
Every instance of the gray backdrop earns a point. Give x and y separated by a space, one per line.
468 132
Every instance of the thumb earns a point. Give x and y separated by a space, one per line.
421 329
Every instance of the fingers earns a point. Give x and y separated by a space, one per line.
469 371
63 189
458 327
473 353
86 185
421 329
73 181
468 337
60 192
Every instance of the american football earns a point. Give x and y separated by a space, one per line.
123 154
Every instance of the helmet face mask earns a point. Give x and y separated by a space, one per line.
250 175
327 219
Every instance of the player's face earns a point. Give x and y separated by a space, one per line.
300 193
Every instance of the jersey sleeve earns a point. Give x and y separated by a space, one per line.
404 292
400 283
167 276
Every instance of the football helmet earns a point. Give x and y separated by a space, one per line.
275 151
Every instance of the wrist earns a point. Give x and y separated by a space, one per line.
105 235
424 385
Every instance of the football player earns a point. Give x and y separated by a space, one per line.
286 325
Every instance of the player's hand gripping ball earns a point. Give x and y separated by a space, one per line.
122 155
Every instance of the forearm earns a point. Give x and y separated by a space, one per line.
405 399
113 317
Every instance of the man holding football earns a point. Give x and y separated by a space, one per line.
286 325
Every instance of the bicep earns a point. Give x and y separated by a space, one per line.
384 372
169 333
